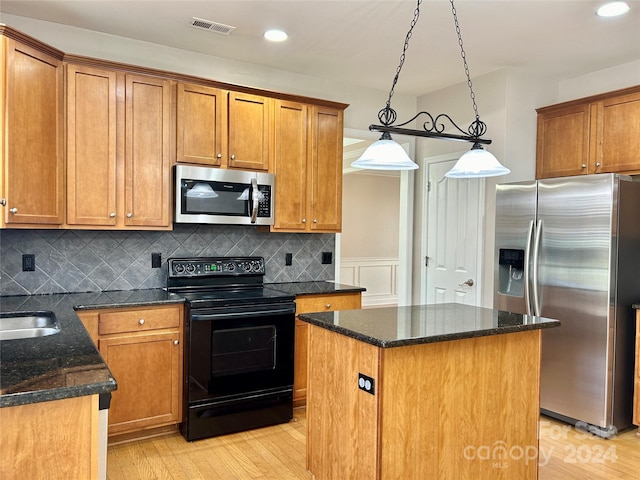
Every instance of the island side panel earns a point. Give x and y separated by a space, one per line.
462 409
56 440
342 420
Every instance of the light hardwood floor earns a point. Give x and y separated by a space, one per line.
278 453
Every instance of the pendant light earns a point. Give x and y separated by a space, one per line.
386 154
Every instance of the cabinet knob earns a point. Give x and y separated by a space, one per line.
328 305
597 164
176 342
584 165
219 155
112 215
141 321
315 220
13 210
233 157
3 201
129 215
304 220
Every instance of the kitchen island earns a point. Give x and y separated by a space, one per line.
439 391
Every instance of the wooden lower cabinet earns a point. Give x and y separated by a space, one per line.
636 394
143 349
308 304
56 440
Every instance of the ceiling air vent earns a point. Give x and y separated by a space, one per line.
203 24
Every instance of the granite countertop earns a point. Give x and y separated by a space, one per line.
401 326
636 306
314 288
66 364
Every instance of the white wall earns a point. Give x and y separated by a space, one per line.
370 220
614 78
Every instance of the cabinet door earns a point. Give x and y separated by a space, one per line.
201 124
249 120
290 165
147 194
618 135
563 142
91 146
147 369
33 137
326 170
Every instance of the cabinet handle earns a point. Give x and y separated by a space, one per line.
304 220
129 215
141 321
597 164
328 305
219 155
112 215
233 157
584 165
13 210
176 342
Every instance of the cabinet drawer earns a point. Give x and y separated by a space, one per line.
328 303
139 320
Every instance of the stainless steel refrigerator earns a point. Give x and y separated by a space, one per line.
569 249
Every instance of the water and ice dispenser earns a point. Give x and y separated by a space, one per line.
511 272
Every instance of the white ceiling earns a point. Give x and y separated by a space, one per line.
360 41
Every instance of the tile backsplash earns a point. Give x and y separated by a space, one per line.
90 261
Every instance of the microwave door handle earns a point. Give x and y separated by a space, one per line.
254 199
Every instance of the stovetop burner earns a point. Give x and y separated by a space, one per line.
211 281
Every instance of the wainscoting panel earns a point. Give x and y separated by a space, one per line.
377 275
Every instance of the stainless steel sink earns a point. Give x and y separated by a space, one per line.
18 325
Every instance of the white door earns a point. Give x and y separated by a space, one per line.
454 224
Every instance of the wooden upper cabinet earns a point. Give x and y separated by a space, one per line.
223 129
118 149
147 165
563 142
201 124
249 124
32 136
599 134
290 165
326 169
618 134
307 167
91 146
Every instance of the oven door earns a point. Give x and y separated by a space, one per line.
236 351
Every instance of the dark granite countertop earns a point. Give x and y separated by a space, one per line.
400 326
636 306
66 364
314 288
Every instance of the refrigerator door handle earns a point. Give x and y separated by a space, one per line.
536 258
527 257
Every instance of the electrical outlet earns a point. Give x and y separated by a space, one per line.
366 384
327 258
28 262
156 260
288 259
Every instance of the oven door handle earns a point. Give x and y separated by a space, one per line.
257 313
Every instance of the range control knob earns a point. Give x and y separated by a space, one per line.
191 268
179 268
231 267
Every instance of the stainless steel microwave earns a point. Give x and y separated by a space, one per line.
221 196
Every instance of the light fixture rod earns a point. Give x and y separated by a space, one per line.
427 134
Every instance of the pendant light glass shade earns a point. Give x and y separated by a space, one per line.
385 154
477 163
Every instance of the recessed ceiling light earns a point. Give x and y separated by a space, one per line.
275 35
613 9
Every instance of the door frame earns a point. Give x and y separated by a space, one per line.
421 199
405 238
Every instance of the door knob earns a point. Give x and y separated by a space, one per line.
468 283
